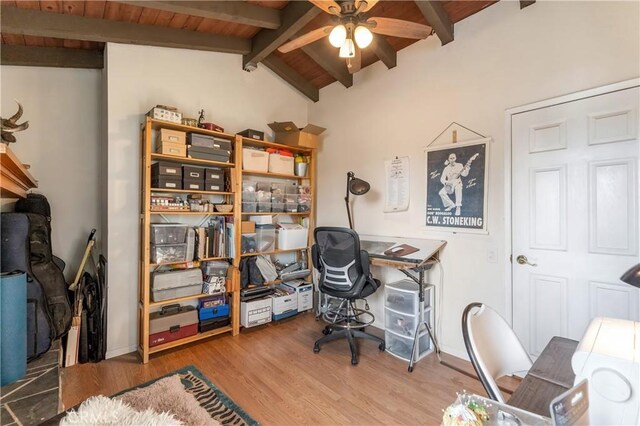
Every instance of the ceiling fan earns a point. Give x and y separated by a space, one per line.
353 30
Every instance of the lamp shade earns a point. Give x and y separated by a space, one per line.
358 186
632 276
363 36
338 35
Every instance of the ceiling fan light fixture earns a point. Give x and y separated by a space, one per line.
338 36
348 49
363 36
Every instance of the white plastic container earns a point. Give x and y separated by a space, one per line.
292 238
254 160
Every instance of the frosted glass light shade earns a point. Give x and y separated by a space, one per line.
348 49
363 36
338 35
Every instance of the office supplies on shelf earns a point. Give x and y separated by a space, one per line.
255 293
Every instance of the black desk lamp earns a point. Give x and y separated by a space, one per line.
355 186
632 276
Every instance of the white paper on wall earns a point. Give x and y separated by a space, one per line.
396 197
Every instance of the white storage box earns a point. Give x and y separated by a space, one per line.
285 302
166 115
265 219
254 160
292 236
280 164
255 312
304 291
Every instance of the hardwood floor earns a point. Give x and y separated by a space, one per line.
273 374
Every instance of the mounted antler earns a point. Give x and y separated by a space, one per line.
9 126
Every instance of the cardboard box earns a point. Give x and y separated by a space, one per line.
304 291
280 164
255 312
172 136
158 113
172 148
287 133
248 227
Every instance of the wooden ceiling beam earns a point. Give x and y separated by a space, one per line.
525 3
238 12
294 17
59 57
292 77
437 17
327 57
384 51
44 24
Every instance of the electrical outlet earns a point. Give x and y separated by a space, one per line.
492 255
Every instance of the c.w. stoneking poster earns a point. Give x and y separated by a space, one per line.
456 186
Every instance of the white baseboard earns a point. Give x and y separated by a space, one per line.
121 351
455 352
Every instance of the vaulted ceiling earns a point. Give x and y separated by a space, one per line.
73 33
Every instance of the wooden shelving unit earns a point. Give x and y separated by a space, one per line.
15 178
146 267
235 194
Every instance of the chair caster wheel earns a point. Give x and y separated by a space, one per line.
381 347
316 349
354 361
327 331
410 369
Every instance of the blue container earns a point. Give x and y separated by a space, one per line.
13 327
213 312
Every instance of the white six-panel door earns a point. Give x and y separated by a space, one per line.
575 215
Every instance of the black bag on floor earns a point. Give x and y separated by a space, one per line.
49 274
15 255
92 318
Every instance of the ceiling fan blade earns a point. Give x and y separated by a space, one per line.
305 39
367 7
355 64
399 28
328 6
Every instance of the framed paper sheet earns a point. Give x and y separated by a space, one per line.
456 185
396 197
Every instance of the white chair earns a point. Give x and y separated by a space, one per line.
493 347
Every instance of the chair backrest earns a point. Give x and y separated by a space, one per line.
338 258
493 347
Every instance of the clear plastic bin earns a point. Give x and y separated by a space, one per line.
290 207
304 190
263 197
249 207
401 301
248 243
277 198
264 207
249 196
291 188
402 324
168 253
277 207
290 198
278 188
401 346
248 186
263 186
265 238
304 207
168 233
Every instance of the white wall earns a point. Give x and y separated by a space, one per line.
138 78
62 146
502 57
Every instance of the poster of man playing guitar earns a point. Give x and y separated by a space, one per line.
456 193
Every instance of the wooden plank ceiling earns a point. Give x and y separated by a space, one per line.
252 28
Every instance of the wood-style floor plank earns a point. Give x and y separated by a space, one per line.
273 374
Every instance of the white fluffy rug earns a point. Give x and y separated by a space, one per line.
103 411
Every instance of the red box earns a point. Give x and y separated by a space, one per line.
175 333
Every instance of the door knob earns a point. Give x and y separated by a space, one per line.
522 260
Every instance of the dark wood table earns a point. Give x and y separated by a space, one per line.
549 376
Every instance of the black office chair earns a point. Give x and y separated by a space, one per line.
344 274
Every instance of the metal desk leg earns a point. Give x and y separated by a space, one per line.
414 348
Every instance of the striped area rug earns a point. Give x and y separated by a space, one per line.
213 400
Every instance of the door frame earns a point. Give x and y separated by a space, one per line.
508 114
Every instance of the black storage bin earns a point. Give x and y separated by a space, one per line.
193 172
166 182
211 154
252 134
196 139
213 173
165 168
193 184
213 186
222 144
213 323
